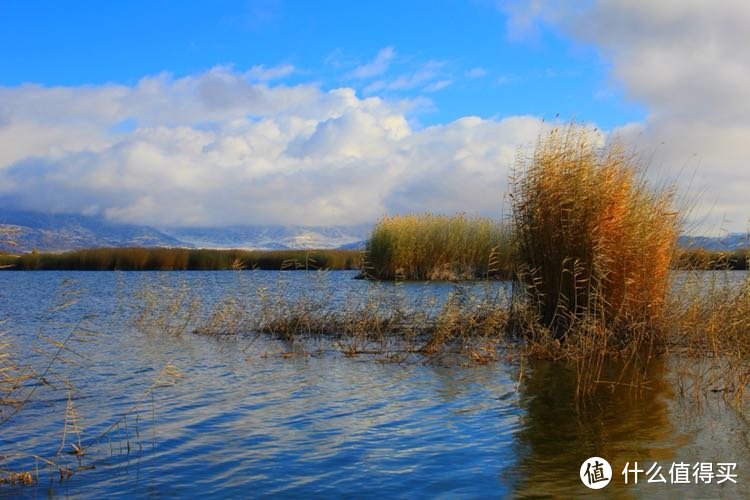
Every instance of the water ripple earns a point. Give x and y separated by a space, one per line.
242 424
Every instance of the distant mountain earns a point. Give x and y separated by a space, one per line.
59 232
732 241
272 237
357 245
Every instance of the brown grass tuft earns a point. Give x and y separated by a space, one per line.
594 242
437 247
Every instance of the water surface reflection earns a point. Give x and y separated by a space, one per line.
247 421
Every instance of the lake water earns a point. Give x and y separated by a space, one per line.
246 419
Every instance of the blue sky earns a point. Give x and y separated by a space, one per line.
280 111
475 69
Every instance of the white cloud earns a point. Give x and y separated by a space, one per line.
685 60
475 73
263 74
523 16
339 59
428 77
377 66
508 79
221 148
438 85
426 73
409 75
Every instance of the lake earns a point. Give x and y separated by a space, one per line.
241 416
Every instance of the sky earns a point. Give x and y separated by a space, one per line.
292 112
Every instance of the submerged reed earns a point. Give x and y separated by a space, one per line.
709 331
45 375
377 320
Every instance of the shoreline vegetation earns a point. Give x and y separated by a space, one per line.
495 265
182 259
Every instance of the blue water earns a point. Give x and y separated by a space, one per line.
245 418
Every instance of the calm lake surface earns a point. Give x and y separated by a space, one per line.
245 419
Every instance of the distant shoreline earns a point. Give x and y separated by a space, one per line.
191 259
181 259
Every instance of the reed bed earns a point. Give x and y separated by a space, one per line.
437 247
709 333
695 259
708 324
381 321
594 241
180 259
168 259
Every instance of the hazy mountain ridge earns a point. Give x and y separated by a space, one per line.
60 232
272 237
729 242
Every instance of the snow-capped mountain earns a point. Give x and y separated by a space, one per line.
272 237
25 231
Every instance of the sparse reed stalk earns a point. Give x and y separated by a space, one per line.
20 384
379 321
437 247
594 241
709 324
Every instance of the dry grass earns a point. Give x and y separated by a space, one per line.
166 309
437 247
594 242
11 375
379 320
168 259
22 381
694 259
709 330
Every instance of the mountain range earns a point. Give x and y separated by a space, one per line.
729 242
272 237
23 231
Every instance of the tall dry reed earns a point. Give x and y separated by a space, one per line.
594 240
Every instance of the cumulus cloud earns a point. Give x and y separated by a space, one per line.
227 147
685 60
